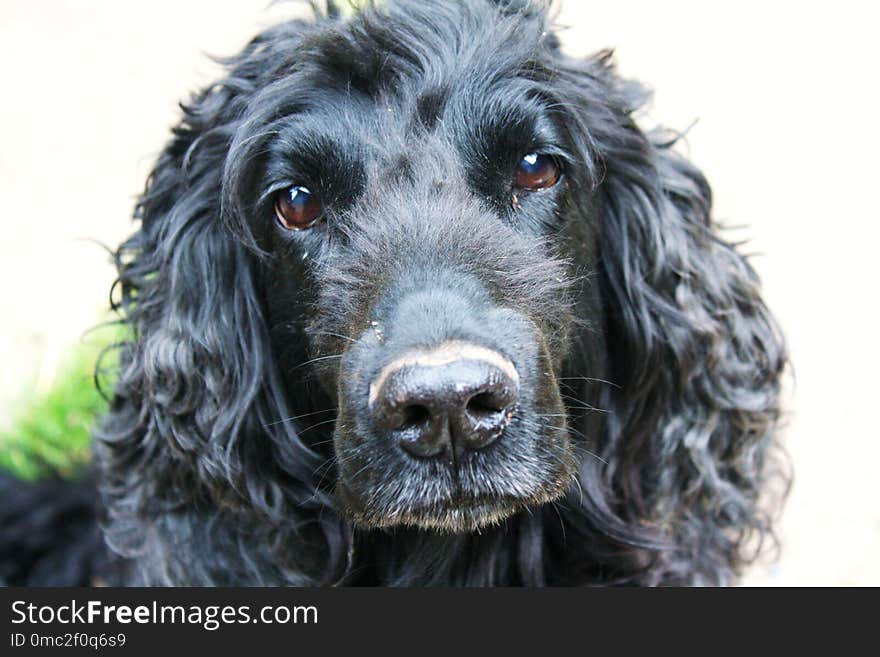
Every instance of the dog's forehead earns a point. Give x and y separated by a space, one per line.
406 71
426 115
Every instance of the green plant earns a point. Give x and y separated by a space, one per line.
52 432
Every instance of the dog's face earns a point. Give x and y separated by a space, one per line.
428 225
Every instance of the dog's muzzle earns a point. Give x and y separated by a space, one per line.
449 412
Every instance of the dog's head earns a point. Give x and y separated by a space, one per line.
419 248
415 201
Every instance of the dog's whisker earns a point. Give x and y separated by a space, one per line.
588 379
580 403
334 335
591 453
317 424
554 504
324 469
337 460
316 360
297 417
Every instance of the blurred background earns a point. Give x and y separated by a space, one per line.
783 94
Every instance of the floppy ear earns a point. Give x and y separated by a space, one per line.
697 356
199 411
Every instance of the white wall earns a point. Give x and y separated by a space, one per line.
786 96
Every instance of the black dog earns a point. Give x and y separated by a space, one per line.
414 300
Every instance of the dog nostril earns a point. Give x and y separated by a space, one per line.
487 414
484 404
414 416
421 432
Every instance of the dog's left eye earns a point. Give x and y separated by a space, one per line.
297 208
536 171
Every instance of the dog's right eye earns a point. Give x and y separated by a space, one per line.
297 208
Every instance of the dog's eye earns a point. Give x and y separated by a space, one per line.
536 171
297 208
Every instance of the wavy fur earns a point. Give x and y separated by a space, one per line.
211 472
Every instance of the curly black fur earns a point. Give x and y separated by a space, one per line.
218 457
51 535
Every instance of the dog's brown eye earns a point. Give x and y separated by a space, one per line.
297 208
536 171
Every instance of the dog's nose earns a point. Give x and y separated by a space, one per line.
456 397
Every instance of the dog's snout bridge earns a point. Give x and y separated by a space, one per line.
442 354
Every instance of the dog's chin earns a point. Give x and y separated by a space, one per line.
453 516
